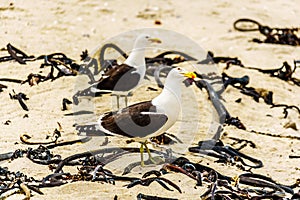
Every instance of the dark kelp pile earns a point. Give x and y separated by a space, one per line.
59 61
285 73
91 165
284 36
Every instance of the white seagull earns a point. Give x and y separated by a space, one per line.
123 78
147 119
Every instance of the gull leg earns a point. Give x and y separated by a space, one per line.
154 160
126 100
142 154
149 153
118 102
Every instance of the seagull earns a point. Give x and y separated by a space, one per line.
123 78
147 119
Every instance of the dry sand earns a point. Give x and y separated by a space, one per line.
43 27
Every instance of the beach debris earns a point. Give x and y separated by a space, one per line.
167 59
151 89
34 79
84 55
16 54
6 156
58 144
286 107
267 96
227 80
7 122
141 196
256 93
237 187
235 121
165 138
284 36
21 97
91 164
225 154
59 61
242 142
296 195
157 22
212 59
42 154
65 66
10 6
16 182
184 166
2 87
105 142
239 100
25 189
292 137
108 155
285 72
11 80
52 139
161 180
223 114
65 101
291 125
294 156
152 172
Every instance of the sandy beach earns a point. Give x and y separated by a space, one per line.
45 27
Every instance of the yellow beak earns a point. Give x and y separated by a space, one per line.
155 40
190 75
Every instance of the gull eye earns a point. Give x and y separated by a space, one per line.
147 37
178 68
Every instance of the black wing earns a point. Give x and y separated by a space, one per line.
132 122
120 78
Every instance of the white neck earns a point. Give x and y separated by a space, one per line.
174 86
172 89
169 103
136 58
